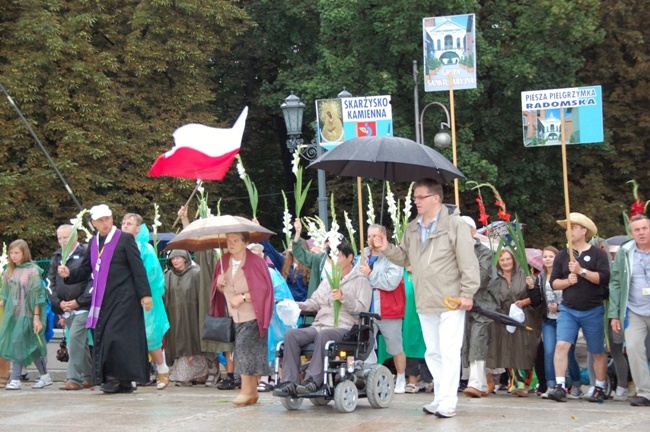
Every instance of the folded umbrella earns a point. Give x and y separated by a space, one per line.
453 304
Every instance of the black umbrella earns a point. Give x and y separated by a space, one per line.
388 158
504 319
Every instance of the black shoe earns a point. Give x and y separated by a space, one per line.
285 389
640 401
125 387
228 383
112 386
557 393
462 385
597 396
309 386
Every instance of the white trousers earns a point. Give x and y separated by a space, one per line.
443 336
477 378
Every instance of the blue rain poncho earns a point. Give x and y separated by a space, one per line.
277 328
156 322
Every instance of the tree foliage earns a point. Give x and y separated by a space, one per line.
105 83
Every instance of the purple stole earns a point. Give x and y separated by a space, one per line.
100 263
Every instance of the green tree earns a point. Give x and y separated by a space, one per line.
104 84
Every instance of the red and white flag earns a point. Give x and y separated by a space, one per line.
201 152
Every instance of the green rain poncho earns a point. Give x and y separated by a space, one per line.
21 293
156 322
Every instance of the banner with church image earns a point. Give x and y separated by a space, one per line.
449 49
542 112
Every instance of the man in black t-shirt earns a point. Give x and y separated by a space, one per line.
583 281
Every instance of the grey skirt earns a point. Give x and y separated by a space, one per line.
251 357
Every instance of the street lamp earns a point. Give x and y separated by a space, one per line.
442 140
292 110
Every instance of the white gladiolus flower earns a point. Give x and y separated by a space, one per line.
371 208
3 258
408 204
295 163
199 187
348 223
240 168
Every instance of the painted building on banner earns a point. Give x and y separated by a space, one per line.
543 111
449 50
342 119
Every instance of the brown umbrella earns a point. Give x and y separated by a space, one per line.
210 233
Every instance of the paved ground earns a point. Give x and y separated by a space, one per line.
207 409
201 408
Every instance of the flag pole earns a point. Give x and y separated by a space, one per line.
196 188
565 179
361 237
453 136
40 144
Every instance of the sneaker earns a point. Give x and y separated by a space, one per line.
13 385
589 392
575 393
598 396
640 401
400 386
43 381
621 396
557 393
309 386
545 394
432 408
285 389
445 413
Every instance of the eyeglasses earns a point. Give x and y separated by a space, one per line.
420 198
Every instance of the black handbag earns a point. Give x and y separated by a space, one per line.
218 329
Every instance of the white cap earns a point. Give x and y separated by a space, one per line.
256 248
469 221
100 211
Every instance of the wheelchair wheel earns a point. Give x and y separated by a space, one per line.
346 396
379 387
291 403
319 401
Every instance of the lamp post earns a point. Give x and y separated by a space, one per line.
292 110
442 140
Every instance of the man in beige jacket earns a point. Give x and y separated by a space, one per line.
439 248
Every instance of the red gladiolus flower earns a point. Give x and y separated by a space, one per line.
483 217
503 215
637 207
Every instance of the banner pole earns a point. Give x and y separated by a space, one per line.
565 179
361 236
453 136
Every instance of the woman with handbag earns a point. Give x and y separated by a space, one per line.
242 285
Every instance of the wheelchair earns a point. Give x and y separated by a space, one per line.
346 378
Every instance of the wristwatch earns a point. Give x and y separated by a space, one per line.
583 273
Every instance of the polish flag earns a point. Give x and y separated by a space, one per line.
201 152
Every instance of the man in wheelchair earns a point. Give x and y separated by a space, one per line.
354 295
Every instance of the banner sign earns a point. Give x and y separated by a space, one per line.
342 119
583 116
449 49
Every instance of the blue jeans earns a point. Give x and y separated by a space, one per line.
549 337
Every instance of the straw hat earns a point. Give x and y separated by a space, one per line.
583 221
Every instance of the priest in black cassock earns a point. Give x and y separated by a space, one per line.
119 291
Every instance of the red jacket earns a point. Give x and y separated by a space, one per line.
260 289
